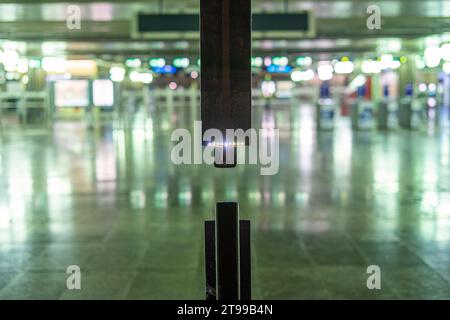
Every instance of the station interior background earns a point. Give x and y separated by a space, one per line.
86 176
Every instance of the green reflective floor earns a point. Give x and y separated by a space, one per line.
110 201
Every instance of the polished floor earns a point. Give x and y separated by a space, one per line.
109 200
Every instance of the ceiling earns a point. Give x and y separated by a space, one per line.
106 26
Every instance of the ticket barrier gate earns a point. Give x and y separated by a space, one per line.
388 112
362 112
411 113
326 109
30 107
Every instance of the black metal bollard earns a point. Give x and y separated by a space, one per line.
227 251
227 255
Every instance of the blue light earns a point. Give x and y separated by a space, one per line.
279 69
167 69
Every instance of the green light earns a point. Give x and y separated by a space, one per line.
303 61
133 62
157 62
181 62
257 62
280 61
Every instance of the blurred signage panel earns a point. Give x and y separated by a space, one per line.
172 26
72 93
82 68
103 93
284 25
167 69
279 69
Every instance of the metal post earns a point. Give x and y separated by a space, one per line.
210 260
227 250
225 38
245 260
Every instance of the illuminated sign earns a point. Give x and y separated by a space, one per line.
168 69
284 25
279 69
72 93
103 93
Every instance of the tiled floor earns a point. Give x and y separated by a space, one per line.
110 201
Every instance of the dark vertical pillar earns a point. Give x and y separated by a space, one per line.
210 260
245 260
225 37
227 250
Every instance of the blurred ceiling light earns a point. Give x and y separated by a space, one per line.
54 64
387 61
343 67
280 61
445 51
303 61
389 45
146 78
298 75
14 45
325 72
371 66
257 62
11 76
135 76
10 60
50 48
432 57
181 62
157 62
432 41
141 77
133 63
117 74
395 64
9 45
446 67
22 65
